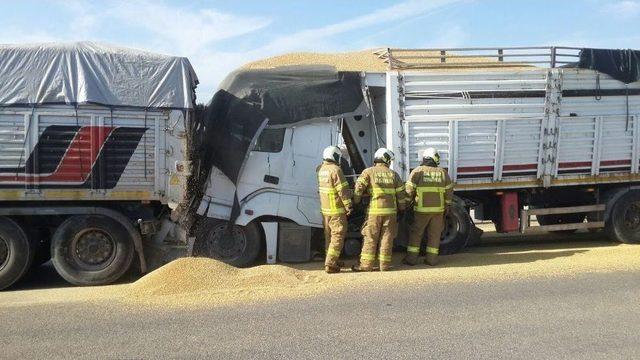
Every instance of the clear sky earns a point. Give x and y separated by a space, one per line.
218 36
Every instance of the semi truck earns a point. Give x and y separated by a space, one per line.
550 132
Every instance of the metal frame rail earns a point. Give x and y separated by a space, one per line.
545 56
525 218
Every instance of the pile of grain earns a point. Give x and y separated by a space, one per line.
368 60
210 282
364 60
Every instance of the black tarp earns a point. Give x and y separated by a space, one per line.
222 131
623 65
284 96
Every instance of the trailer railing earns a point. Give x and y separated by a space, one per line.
541 56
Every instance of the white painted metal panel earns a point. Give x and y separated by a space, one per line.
599 123
576 145
12 137
517 126
489 124
421 135
522 146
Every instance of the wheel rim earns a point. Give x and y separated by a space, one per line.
226 243
632 217
93 249
4 253
451 229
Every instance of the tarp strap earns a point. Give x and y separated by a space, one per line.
75 109
144 143
626 86
27 133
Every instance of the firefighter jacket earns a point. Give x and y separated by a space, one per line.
430 188
385 188
335 195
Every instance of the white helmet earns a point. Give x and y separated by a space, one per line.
384 155
431 153
332 153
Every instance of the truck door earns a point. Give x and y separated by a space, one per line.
299 178
265 164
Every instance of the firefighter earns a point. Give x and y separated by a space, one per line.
335 205
430 188
387 197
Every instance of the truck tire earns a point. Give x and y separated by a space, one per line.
457 230
624 221
91 250
15 252
238 246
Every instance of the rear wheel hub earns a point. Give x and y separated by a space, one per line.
93 249
632 217
226 243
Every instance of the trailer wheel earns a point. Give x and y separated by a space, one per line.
624 221
91 250
238 246
457 230
15 252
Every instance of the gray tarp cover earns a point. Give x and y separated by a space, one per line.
86 72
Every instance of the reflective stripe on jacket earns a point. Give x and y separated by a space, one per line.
385 188
335 194
430 188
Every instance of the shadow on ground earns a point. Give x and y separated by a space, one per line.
501 249
46 277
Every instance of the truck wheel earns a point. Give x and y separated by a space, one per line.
91 250
457 230
238 246
624 221
561 219
15 252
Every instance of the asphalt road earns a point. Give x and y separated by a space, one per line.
584 316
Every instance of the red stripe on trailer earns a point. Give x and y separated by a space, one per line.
520 167
615 162
570 165
475 169
78 160
581 164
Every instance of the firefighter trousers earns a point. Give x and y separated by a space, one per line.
434 224
378 230
335 229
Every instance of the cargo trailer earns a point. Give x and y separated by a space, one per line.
93 158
